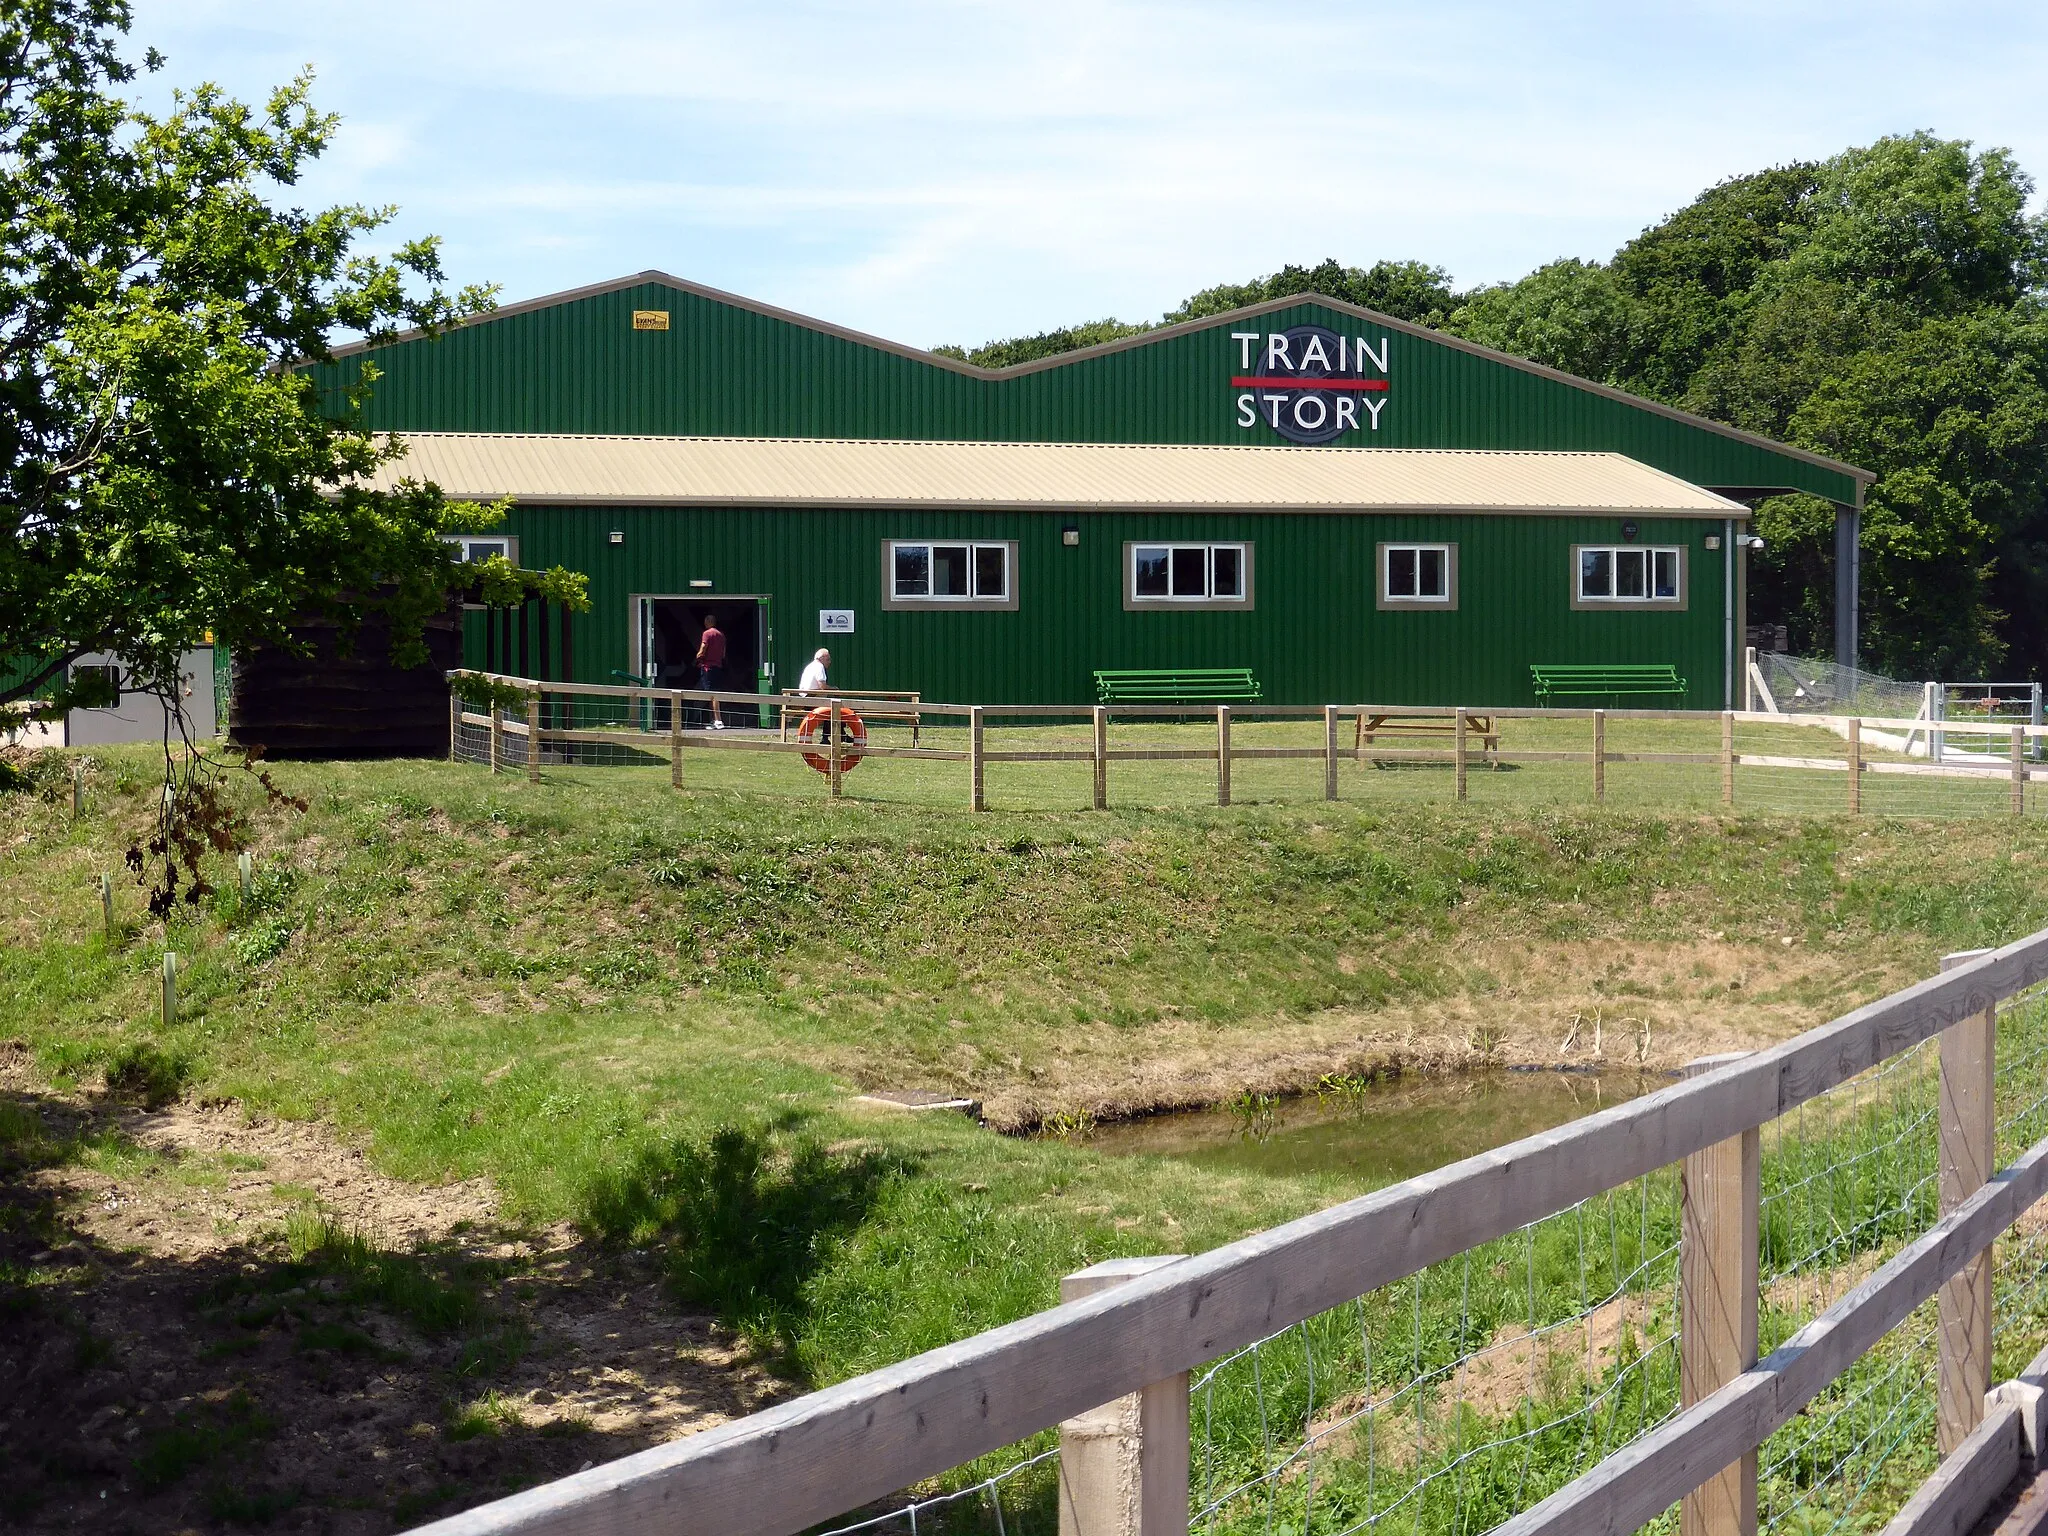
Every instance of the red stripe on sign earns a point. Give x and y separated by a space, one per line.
1310 383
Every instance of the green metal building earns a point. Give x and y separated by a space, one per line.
699 454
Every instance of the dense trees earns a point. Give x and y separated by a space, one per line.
1888 306
164 472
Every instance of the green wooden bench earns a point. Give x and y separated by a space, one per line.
1606 680
1183 685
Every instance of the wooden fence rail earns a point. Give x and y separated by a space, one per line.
1855 762
805 1461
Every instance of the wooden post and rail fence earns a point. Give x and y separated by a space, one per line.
1110 1364
1456 726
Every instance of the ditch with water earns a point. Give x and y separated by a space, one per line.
1381 1132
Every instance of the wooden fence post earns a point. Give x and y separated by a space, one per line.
1101 758
533 734
1855 765
1329 751
2019 771
1124 1466
1459 751
833 732
1223 754
1727 757
1719 1192
1968 1123
976 767
675 739
497 738
1599 754
454 726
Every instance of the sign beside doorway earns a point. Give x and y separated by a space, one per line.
835 621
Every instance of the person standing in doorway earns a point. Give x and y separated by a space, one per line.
813 680
711 664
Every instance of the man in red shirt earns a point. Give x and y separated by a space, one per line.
711 664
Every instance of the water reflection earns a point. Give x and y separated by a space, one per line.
1379 1133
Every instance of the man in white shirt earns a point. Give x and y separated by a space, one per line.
813 680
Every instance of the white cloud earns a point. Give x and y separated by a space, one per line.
954 171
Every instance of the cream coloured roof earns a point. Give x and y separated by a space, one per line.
540 470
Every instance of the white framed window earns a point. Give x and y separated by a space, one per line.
1628 575
1418 576
482 546
943 573
1187 575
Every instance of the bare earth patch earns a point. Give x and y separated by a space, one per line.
1648 1006
171 1367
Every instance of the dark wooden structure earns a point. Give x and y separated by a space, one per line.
334 703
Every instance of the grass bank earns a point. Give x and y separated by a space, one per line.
568 988
540 983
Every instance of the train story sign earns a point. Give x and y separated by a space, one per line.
1309 383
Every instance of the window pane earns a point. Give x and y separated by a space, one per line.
1667 573
949 570
1228 564
1190 571
913 570
1596 573
990 562
1149 571
1400 573
484 549
1629 577
1429 579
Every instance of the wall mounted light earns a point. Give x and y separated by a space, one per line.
618 536
1713 541
699 585
1070 535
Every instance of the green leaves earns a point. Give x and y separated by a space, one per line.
1882 307
164 472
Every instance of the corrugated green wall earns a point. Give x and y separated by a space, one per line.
721 369
1314 634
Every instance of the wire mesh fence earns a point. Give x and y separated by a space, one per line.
1802 685
1465 1394
1042 759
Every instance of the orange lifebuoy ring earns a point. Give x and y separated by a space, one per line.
853 736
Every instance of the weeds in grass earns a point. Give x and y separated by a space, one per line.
745 1223
1256 1115
399 1283
263 941
488 1415
142 1070
1066 1125
1348 1089
198 1437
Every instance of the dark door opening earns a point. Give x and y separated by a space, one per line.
673 628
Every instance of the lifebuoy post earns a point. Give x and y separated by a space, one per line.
833 731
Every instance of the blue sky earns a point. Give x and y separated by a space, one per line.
956 172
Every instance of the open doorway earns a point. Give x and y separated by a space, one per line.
672 628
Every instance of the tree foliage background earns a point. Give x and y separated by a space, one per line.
1888 306
166 473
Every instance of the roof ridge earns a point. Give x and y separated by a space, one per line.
997 443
